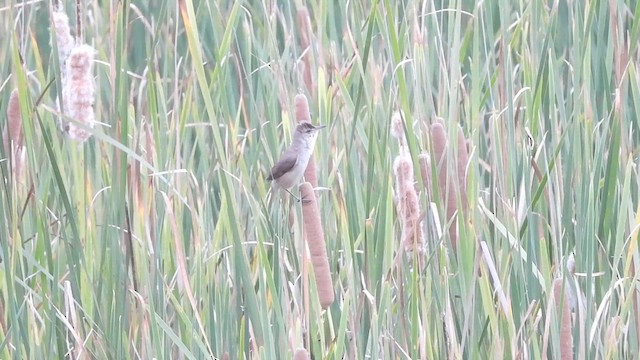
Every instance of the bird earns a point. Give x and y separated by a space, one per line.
289 169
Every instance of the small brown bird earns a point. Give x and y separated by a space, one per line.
288 171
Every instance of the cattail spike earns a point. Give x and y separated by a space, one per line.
563 309
304 25
314 234
453 189
302 109
425 170
13 137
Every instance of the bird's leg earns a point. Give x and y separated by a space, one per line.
303 201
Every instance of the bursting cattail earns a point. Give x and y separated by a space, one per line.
78 92
314 236
563 309
397 127
64 39
452 189
301 354
303 115
12 135
408 204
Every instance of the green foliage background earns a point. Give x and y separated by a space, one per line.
155 239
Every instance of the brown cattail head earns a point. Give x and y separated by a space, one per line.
302 109
425 170
79 91
314 234
462 160
301 354
453 189
304 115
64 39
408 204
304 25
13 138
563 309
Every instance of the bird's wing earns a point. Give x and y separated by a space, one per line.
287 162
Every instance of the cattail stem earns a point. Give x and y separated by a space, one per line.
79 35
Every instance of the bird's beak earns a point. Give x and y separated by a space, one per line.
320 127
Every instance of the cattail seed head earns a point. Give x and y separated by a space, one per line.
64 39
79 91
439 138
403 169
408 204
425 169
13 137
397 126
302 109
301 354
462 161
563 309
452 188
304 26
314 235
